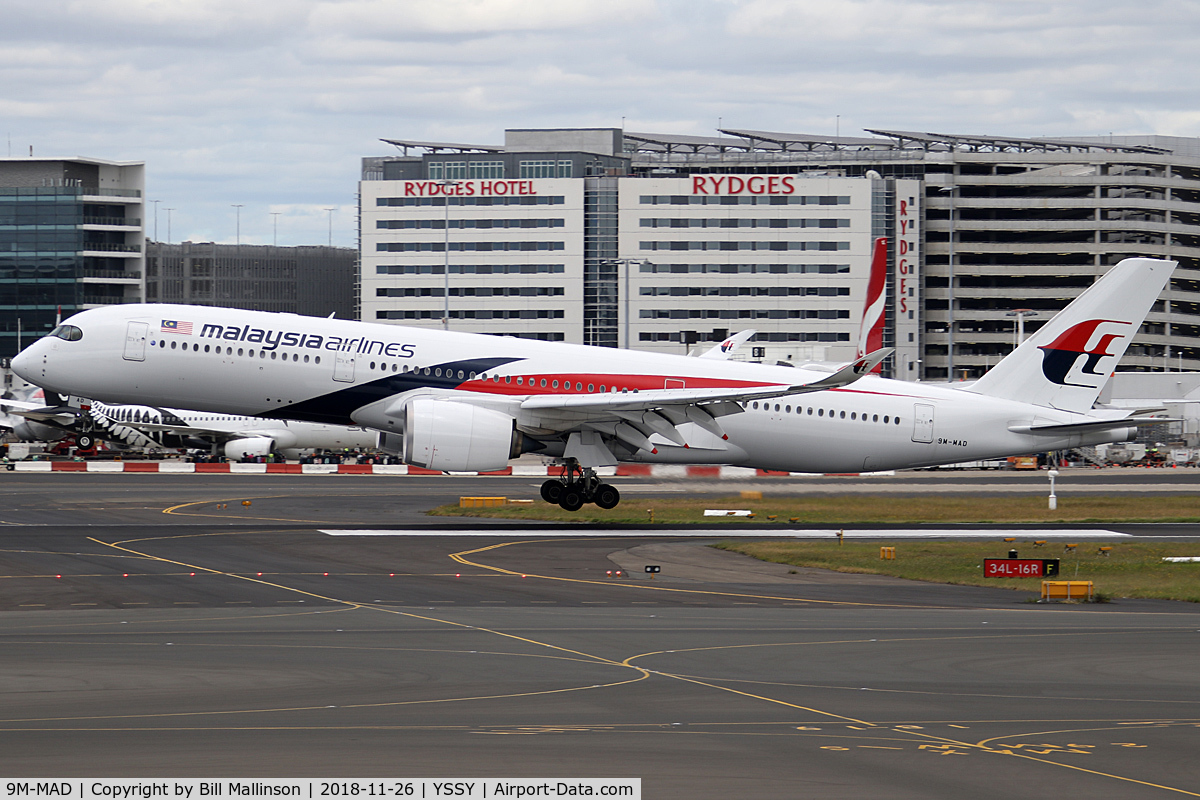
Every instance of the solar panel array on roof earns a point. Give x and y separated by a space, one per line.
435 147
1008 143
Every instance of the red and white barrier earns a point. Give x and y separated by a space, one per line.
521 471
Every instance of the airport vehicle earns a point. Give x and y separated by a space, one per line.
468 402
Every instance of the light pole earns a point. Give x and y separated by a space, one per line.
169 210
156 202
1019 330
331 210
446 184
239 207
627 263
275 228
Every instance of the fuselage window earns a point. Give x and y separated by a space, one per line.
602 387
777 406
543 383
897 420
228 351
172 345
305 358
886 420
555 384
875 418
820 412
592 387
437 372
372 365
162 342
853 415
316 359
206 348
395 367
195 348
240 351
460 374
810 411
273 356
508 379
754 405
520 381
471 376
787 409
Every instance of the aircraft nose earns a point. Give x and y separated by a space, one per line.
25 362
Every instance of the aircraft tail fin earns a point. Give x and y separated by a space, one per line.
1066 363
870 331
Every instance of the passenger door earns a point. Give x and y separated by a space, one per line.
135 341
343 366
922 423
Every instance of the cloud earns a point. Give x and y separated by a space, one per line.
273 103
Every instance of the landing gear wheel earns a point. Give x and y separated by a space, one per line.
84 441
571 498
606 496
551 490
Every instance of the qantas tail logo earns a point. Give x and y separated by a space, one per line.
1060 356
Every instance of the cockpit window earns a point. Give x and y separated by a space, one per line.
68 332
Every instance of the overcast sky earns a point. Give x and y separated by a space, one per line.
271 103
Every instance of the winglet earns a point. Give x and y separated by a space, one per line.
849 373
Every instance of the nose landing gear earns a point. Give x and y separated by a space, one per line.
579 485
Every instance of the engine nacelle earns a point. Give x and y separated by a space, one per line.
29 431
458 437
251 446
390 443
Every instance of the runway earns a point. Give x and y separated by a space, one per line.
244 642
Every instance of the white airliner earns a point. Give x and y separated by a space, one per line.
146 426
469 402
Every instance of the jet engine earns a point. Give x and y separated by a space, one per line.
252 446
458 437
29 431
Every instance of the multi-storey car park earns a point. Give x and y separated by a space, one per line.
658 241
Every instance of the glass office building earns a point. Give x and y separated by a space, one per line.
71 238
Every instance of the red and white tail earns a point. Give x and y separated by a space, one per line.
870 332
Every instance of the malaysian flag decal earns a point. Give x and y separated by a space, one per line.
176 326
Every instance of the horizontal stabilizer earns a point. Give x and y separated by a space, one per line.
1092 425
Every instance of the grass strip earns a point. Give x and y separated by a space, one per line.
1131 568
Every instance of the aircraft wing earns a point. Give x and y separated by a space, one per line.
657 398
61 416
633 417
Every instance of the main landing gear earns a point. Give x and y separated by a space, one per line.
579 485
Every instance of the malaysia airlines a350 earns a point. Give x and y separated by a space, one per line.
469 402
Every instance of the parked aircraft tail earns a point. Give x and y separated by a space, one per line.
870 331
1066 363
